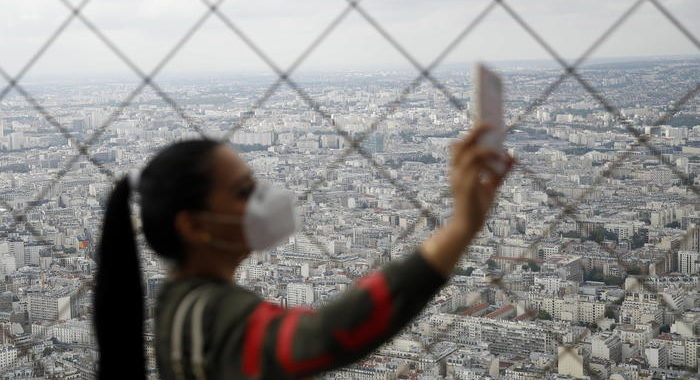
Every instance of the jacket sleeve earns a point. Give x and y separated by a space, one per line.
279 343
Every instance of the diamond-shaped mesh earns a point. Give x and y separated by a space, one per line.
568 209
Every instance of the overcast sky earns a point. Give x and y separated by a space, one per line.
146 29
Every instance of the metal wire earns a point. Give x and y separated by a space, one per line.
568 210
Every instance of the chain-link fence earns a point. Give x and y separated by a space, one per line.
569 207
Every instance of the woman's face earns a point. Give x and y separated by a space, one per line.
233 182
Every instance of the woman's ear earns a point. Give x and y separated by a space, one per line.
191 228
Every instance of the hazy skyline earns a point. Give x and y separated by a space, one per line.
146 30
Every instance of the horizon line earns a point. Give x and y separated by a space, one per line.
533 63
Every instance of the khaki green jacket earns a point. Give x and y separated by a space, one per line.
210 329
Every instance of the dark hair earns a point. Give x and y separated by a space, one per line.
178 178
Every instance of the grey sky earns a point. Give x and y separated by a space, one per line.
146 29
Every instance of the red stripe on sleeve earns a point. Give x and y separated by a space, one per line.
255 334
378 321
285 348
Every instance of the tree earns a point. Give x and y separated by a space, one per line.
491 263
596 274
638 240
464 272
531 148
609 313
533 131
571 234
578 151
543 314
249 147
533 266
425 158
675 224
599 234
612 280
634 270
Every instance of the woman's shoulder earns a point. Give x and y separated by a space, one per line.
220 297
221 303
174 289
220 306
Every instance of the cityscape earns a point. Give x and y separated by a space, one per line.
588 267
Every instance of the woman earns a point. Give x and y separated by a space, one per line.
202 209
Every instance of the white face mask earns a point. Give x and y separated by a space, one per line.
269 218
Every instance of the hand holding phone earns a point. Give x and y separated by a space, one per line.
488 106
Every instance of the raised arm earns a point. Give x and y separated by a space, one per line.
474 185
278 343
282 343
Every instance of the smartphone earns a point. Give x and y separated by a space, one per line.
488 107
